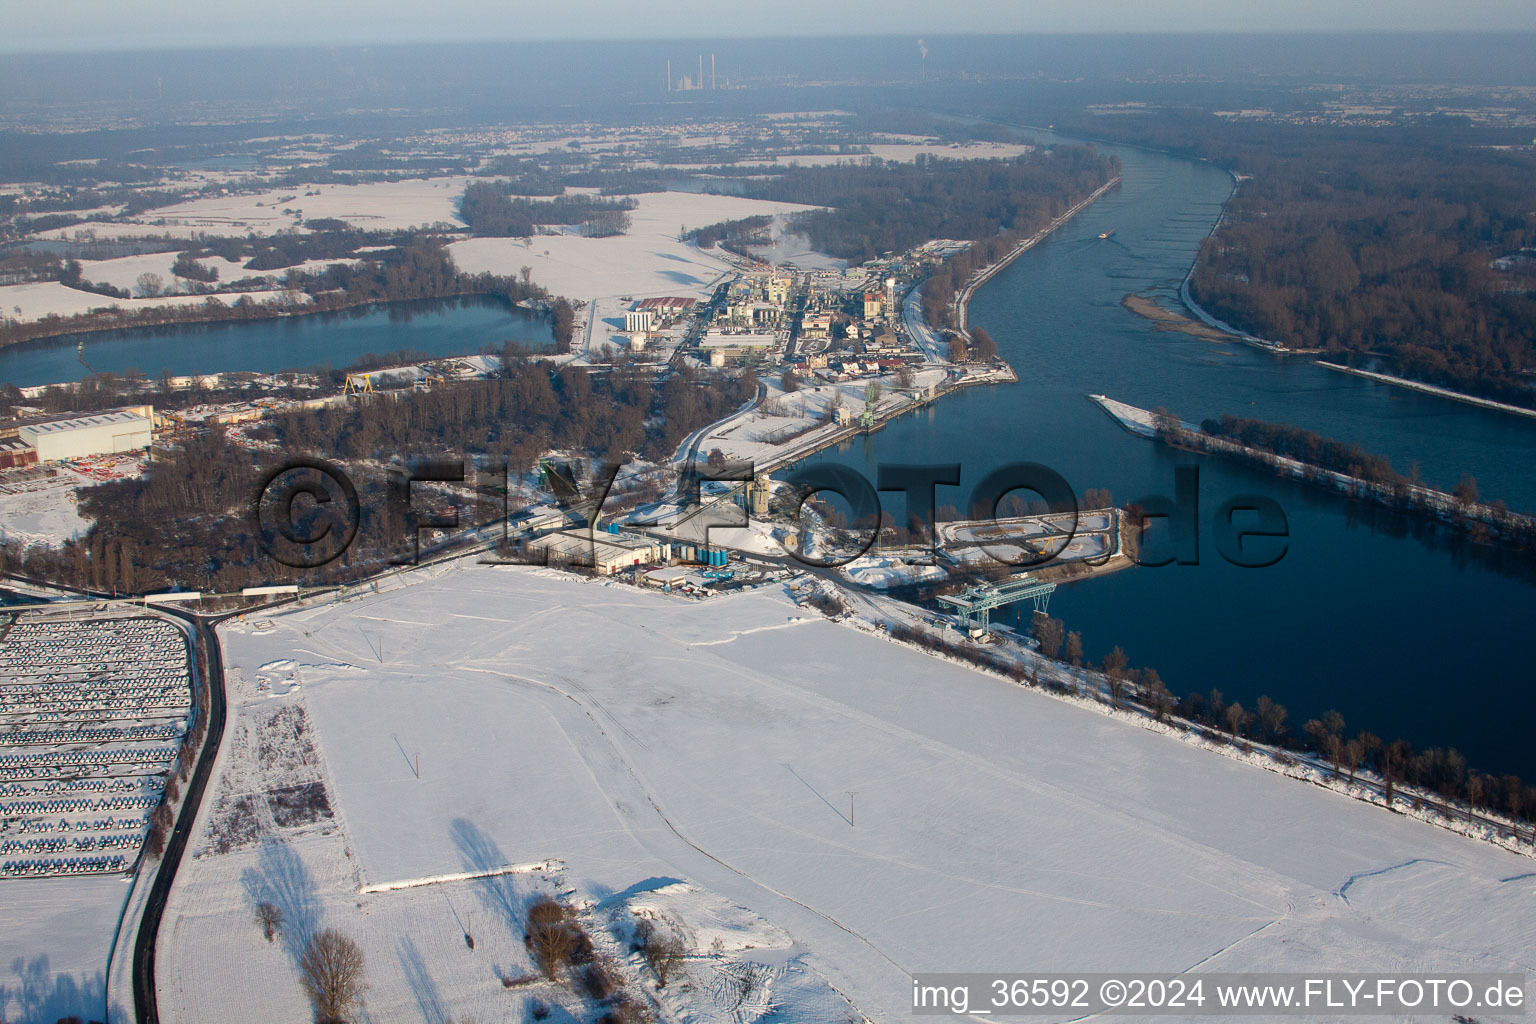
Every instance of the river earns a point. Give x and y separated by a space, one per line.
436 327
1404 638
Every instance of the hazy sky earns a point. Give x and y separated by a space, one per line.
36 25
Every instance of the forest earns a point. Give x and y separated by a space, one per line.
1406 245
878 207
491 210
731 235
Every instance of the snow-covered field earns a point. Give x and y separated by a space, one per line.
374 206
646 260
41 512
44 510
646 754
28 302
53 948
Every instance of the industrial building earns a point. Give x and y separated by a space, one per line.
667 305
608 553
79 438
736 346
638 321
14 453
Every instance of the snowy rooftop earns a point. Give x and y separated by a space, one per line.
131 419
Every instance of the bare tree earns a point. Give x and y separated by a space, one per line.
663 952
270 918
159 829
1466 490
551 935
1477 786
790 381
1155 692
1350 756
1271 718
1114 666
1050 633
1394 758
149 285
1075 649
331 971
986 348
1237 718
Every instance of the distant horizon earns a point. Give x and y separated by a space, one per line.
89 26
689 40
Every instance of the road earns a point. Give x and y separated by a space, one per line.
209 661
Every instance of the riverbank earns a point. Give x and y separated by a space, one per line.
1215 323
1409 498
962 300
1429 389
1167 320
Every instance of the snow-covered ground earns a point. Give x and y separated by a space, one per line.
374 206
646 260
41 512
28 302
641 749
44 510
884 571
53 947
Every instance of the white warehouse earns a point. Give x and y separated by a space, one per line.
606 552
87 435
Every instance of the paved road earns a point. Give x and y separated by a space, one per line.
210 663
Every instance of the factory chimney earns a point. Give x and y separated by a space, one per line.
701 71
712 71
669 76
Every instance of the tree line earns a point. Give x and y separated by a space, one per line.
875 207
1487 523
731 235
490 210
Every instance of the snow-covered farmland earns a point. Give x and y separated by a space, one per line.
374 206
36 300
646 260
747 767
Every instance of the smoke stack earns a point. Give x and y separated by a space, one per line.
700 81
669 76
712 71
